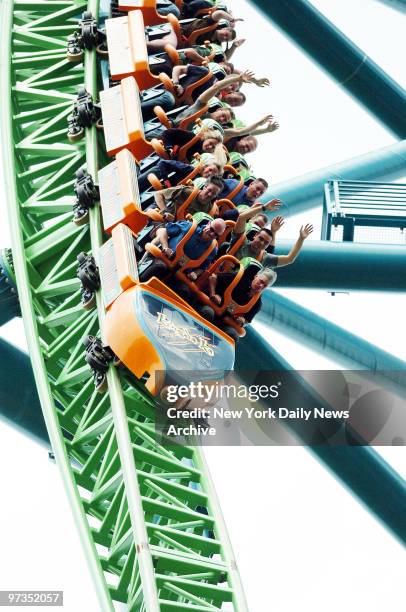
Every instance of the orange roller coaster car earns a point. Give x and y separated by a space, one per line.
148 9
119 195
122 120
150 328
128 55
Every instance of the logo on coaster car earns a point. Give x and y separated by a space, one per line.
184 342
186 334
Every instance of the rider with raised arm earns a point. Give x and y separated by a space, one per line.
253 281
170 200
205 97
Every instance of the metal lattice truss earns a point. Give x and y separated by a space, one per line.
148 516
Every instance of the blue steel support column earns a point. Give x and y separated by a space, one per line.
331 340
342 59
306 191
19 403
360 468
399 5
9 305
344 266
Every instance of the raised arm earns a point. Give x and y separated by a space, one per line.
276 225
248 129
285 260
271 126
212 91
251 212
205 97
230 50
220 14
263 82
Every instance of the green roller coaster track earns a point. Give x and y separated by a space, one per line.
148 516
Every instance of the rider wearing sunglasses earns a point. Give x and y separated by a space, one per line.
170 236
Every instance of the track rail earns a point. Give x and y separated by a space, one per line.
148 516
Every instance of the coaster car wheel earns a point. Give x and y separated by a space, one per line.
102 51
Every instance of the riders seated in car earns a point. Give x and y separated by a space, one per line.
257 247
169 237
172 171
253 282
205 98
248 194
170 200
175 139
217 27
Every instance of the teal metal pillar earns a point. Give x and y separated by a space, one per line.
399 5
342 60
9 305
360 468
19 403
344 266
306 191
331 341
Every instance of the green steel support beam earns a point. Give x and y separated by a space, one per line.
306 191
344 266
330 340
19 225
360 468
146 513
342 60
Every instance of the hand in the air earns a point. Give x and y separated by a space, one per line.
266 119
305 231
272 125
277 224
273 204
263 82
239 42
247 76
